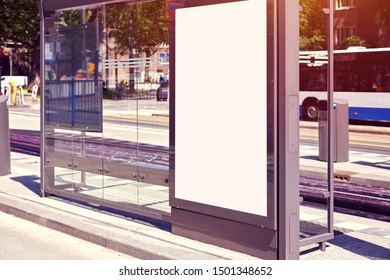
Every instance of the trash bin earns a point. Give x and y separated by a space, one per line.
340 130
5 154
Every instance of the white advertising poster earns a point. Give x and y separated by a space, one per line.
221 106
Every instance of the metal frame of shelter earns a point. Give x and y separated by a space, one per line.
74 107
273 232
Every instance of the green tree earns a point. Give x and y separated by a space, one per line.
310 23
19 23
142 27
352 41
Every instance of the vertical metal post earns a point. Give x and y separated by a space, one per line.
74 119
10 65
72 102
106 43
5 151
331 123
288 128
131 69
42 97
329 154
1 69
116 68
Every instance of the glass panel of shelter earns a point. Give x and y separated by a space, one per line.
116 153
152 90
120 121
141 161
73 105
314 214
55 103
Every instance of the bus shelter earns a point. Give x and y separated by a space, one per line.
219 159
116 156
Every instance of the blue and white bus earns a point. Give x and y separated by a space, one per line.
361 76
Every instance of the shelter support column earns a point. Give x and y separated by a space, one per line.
288 129
237 188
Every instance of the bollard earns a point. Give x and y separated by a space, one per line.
20 96
13 92
5 153
7 92
34 92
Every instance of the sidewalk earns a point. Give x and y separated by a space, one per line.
355 237
363 167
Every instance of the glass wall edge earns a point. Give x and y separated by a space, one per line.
54 5
42 98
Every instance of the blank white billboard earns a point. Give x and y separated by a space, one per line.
221 106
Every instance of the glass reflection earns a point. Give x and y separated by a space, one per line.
106 121
313 146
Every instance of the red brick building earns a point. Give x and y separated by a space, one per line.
355 17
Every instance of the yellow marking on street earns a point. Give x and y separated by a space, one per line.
369 145
140 119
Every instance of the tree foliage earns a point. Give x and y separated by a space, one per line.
310 24
142 26
19 23
352 41
382 21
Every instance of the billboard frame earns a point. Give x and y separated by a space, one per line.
275 236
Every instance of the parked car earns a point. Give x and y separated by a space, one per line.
163 91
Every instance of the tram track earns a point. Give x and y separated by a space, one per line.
371 199
359 145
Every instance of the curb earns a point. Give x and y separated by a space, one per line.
132 238
361 179
382 130
82 234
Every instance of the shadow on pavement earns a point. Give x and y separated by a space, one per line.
382 164
361 247
31 182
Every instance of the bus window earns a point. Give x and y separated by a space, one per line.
312 78
361 76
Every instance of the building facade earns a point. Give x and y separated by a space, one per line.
355 18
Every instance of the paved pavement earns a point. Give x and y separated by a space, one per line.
363 167
24 240
355 237
19 196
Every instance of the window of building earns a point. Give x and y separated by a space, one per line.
343 33
342 4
